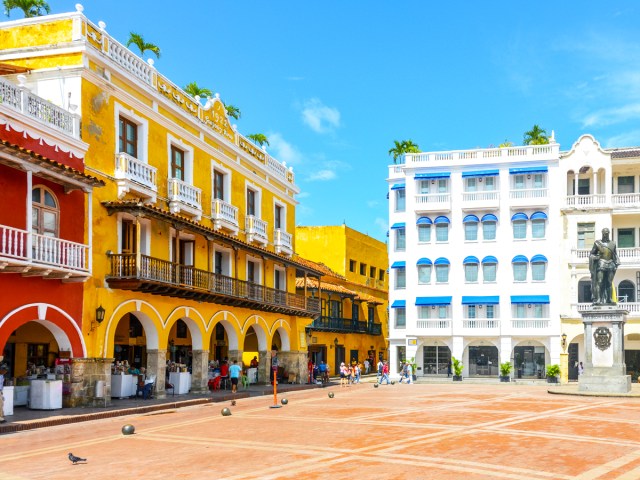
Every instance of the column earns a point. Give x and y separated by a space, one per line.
295 362
264 366
564 367
157 365
505 349
588 345
199 370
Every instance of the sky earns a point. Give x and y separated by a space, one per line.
333 83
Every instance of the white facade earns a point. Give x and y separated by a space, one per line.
602 190
510 309
507 296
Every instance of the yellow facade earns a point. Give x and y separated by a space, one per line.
167 243
354 305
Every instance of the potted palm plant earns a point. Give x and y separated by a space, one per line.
414 367
505 370
553 371
457 369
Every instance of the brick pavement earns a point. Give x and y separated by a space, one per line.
421 431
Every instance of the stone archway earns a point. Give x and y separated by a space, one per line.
190 350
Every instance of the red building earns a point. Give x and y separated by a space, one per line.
45 229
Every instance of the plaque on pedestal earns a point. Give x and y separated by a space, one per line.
605 370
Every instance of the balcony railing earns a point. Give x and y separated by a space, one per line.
440 324
528 193
530 323
144 273
632 307
256 229
431 201
626 200
223 213
480 196
626 255
586 201
184 198
521 153
282 241
65 257
480 323
20 99
346 325
130 169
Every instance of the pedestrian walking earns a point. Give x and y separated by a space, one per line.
379 374
580 369
367 366
385 373
449 369
344 372
235 372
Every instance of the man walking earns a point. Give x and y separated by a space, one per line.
234 373
385 373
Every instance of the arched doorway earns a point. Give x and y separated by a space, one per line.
529 360
626 291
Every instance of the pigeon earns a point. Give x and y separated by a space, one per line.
75 459
233 403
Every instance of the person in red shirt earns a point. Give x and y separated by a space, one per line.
224 373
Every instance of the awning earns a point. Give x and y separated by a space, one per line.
424 221
489 259
423 301
481 300
519 216
398 225
538 216
470 259
489 217
399 304
441 261
520 170
424 261
398 186
399 264
441 219
481 173
520 259
539 258
529 298
432 176
470 219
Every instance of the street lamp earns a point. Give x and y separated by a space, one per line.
100 311
564 342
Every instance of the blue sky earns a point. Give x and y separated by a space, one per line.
333 83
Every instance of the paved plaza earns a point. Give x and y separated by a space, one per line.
420 431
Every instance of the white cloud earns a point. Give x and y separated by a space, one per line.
612 116
631 138
319 117
382 224
322 176
372 203
303 195
283 150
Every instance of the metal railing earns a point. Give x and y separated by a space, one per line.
346 325
126 266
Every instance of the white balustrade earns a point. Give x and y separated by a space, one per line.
282 239
132 169
130 62
480 196
530 323
221 210
528 193
631 254
626 200
542 152
438 324
433 199
584 201
183 192
256 226
480 323
22 100
632 307
13 242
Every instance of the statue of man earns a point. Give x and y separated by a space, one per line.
603 263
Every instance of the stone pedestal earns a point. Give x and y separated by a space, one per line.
199 370
604 369
157 365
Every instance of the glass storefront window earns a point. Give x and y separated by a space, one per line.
435 360
483 360
529 362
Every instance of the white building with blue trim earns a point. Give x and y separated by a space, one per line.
474 250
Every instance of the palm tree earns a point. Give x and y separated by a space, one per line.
143 46
195 91
402 147
259 139
31 8
233 111
505 144
536 136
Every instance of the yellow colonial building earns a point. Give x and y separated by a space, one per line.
191 250
353 290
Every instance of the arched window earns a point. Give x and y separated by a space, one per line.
584 291
626 291
45 213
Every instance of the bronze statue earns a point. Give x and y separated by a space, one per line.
603 263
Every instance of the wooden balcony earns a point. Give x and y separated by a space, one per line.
345 325
32 255
161 277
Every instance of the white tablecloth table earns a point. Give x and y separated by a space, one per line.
45 394
181 381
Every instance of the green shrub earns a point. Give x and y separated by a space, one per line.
553 370
505 369
457 366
